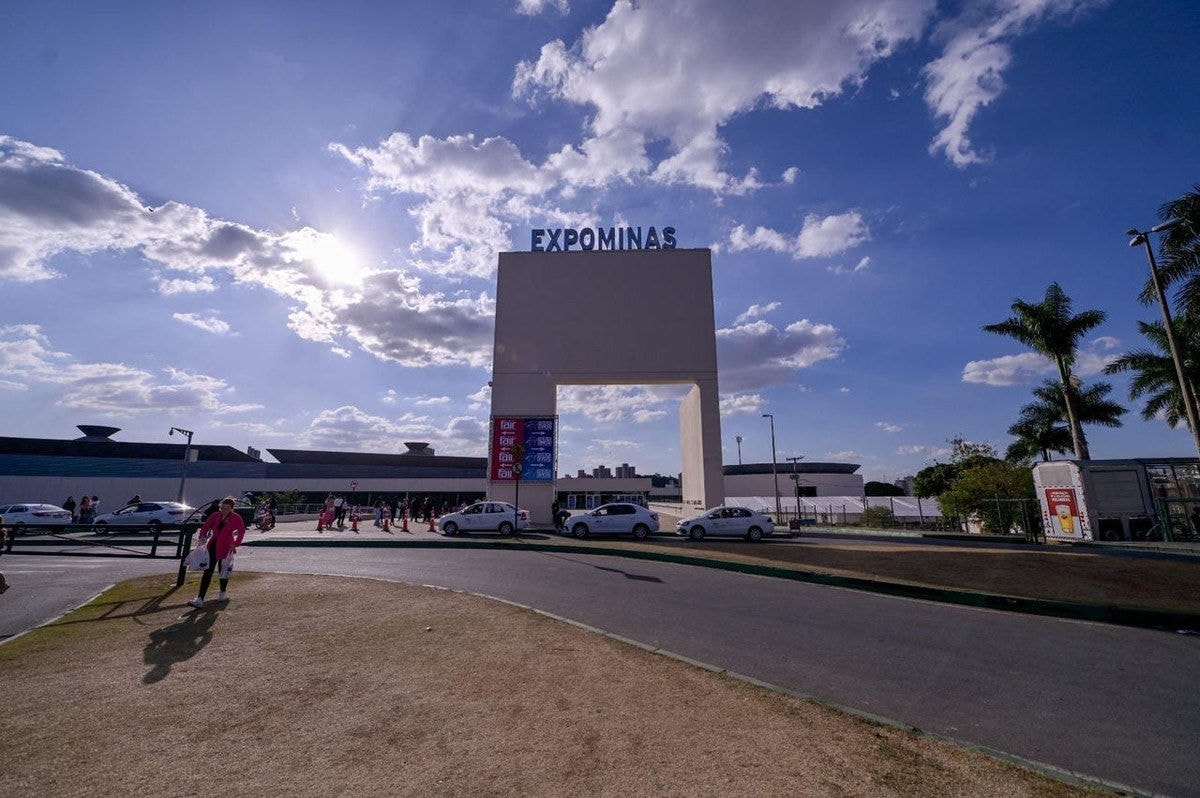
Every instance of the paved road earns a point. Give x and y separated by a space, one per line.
1113 702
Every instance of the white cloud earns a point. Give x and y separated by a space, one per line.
758 354
532 8
844 455
111 388
754 311
48 206
620 403
1030 367
741 404
969 73
819 237
910 450
843 389
349 428
888 427
428 400
862 265
207 323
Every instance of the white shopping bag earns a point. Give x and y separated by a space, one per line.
197 559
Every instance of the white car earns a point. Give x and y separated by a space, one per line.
484 516
620 518
19 516
154 515
727 521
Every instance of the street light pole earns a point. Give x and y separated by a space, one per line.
1185 387
774 468
187 455
739 440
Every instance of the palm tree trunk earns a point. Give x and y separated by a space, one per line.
1078 440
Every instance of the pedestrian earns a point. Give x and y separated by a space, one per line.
3 545
339 510
85 509
378 512
95 507
392 511
403 509
554 516
428 508
69 506
221 533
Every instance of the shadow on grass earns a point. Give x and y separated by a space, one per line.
178 642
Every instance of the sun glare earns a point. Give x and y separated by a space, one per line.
332 259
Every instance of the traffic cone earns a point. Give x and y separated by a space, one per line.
354 523
387 522
404 521
432 528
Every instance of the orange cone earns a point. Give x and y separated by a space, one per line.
354 522
432 528
404 521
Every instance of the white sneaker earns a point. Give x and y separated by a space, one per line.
197 602
222 596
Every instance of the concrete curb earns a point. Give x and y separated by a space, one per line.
1164 620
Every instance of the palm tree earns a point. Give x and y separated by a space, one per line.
1039 428
1179 252
1154 372
1049 329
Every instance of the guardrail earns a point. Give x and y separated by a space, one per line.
81 540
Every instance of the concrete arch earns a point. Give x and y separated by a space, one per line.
627 317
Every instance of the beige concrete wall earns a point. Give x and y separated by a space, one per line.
641 317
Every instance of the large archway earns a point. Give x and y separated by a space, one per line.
625 317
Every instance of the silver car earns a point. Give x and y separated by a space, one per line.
727 521
499 517
619 518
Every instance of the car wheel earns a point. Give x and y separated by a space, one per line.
451 529
101 528
696 532
580 531
155 525
506 529
641 531
754 534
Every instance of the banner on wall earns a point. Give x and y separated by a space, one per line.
535 436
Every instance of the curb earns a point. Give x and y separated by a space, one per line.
1163 620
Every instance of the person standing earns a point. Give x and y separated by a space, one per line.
221 533
85 509
69 506
3 545
95 506
554 515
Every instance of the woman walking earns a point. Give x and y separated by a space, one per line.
222 533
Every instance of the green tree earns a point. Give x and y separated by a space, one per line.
1153 370
1039 431
877 518
936 479
874 488
1049 328
994 491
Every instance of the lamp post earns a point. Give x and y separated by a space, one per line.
739 441
774 469
1185 387
187 454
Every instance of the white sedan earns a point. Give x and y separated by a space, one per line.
619 518
499 517
727 521
18 516
154 515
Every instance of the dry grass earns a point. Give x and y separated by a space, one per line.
327 686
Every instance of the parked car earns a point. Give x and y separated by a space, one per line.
20 515
727 521
484 516
155 515
619 518
240 506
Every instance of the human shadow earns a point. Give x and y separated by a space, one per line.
178 642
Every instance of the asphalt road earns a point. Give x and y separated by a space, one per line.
1111 702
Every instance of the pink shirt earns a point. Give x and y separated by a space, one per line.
224 532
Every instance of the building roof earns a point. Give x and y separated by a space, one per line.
104 447
803 467
406 460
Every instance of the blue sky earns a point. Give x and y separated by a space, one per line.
276 224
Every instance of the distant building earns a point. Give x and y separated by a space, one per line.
626 471
602 472
906 484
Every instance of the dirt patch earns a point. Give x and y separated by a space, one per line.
323 686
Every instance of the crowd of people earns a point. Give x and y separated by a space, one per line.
85 511
419 509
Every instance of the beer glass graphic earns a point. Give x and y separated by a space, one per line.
1065 520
